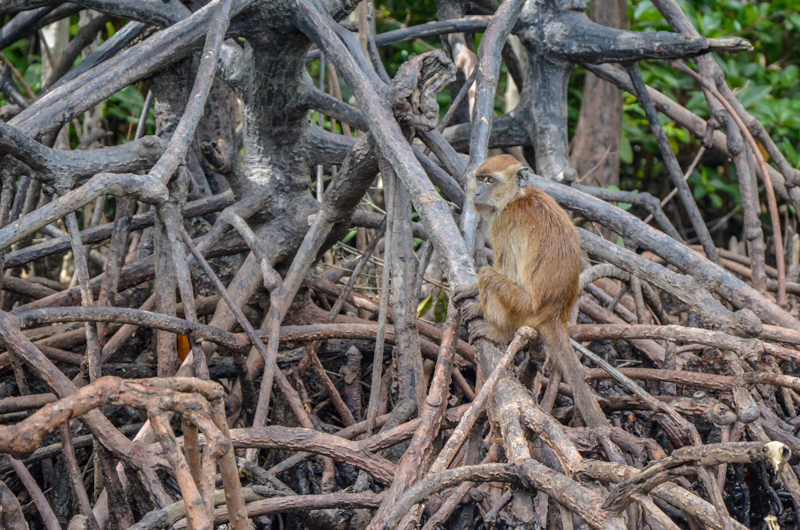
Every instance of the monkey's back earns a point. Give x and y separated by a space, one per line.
537 247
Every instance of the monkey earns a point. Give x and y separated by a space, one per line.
534 278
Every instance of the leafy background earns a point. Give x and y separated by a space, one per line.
766 81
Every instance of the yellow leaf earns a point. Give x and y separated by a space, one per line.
763 152
423 306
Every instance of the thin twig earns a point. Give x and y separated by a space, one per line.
377 360
48 516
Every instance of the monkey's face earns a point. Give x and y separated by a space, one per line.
497 182
487 190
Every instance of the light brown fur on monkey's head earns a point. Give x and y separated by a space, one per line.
498 181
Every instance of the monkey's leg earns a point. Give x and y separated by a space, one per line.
506 306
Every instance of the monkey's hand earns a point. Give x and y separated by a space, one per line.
470 308
466 291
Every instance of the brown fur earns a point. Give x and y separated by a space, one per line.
534 280
536 265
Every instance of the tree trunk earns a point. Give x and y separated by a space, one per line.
595 148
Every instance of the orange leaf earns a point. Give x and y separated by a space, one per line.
183 347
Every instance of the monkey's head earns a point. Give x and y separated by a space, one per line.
498 181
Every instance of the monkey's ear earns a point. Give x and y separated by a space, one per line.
522 176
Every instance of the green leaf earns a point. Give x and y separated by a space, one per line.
754 95
350 235
700 192
625 151
441 307
673 142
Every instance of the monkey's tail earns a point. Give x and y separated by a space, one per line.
554 339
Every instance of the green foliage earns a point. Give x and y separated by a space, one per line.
123 110
120 111
765 81
622 205
396 14
709 183
440 311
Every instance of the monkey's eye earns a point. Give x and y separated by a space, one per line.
490 180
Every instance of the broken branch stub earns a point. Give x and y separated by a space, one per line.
412 94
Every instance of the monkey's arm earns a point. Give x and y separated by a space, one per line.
505 305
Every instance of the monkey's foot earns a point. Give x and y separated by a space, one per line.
479 329
546 363
466 291
470 310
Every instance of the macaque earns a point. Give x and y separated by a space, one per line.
534 279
